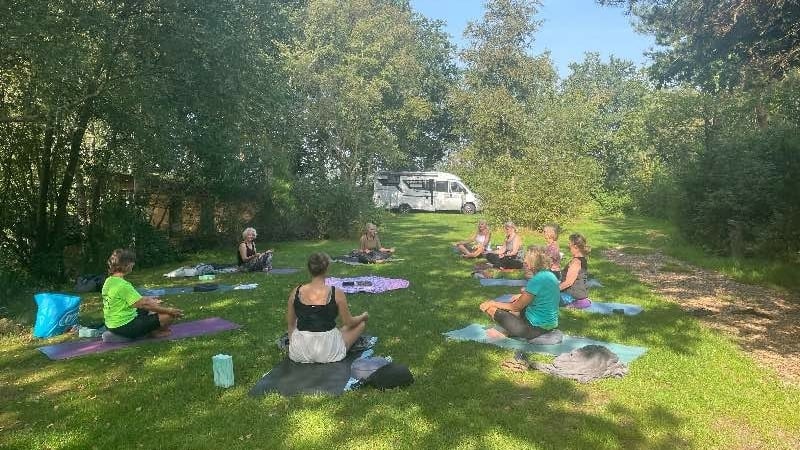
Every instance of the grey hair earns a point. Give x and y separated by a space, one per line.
248 230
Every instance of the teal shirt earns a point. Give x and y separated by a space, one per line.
542 312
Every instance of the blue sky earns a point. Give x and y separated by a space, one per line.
570 28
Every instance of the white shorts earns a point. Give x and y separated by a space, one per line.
317 346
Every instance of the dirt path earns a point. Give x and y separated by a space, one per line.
763 321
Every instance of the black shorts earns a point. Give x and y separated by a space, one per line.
140 326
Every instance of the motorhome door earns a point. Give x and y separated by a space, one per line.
448 199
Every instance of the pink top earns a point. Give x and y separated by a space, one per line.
555 255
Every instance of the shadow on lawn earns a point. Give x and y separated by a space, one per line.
165 391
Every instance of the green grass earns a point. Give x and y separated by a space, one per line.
639 235
693 389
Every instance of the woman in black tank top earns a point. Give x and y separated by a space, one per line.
311 314
249 259
576 275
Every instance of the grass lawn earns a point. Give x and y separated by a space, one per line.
693 388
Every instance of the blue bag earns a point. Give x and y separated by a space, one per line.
55 313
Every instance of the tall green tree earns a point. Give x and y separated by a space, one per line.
371 76
720 44
515 152
91 90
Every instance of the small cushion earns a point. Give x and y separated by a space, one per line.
110 337
549 338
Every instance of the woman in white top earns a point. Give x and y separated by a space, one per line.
477 244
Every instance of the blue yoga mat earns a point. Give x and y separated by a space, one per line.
596 307
502 282
161 291
477 333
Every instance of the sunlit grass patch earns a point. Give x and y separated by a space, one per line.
682 393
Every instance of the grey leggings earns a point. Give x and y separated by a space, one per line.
517 326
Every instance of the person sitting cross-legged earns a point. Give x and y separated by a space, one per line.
477 244
311 318
249 259
534 311
507 256
127 313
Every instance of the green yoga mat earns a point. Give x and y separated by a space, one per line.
477 333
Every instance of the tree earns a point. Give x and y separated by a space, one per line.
371 76
515 149
720 44
602 96
91 90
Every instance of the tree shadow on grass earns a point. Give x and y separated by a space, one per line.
162 395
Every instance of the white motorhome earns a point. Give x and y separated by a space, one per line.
426 191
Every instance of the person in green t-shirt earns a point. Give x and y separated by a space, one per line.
534 311
126 312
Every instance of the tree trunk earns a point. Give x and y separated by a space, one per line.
59 223
45 163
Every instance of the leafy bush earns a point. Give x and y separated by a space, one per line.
533 190
124 226
331 208
743 192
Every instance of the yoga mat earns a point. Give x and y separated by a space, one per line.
374 285
502 282
476 332
283 271
353 261
289 378
595 307
158 292
179 331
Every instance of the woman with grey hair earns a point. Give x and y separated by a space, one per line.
249 259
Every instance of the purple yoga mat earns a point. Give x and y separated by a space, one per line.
181 330
373 285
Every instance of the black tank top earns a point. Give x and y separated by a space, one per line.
248 251
315 317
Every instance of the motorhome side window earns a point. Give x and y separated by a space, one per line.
455 187
417 184
391 180
441 186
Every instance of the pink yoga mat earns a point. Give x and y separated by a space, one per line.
180 330
370 284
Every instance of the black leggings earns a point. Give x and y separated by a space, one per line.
506 262
517 326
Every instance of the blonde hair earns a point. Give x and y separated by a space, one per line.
318 263
537 258
120 260
550 231
579 241
247 231
370 226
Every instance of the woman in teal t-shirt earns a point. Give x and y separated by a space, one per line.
534 311
125 311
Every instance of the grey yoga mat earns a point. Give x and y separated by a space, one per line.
477 333
289 378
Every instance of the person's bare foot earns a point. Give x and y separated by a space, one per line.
492 333
161 333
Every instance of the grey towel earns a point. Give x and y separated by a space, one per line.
585 364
